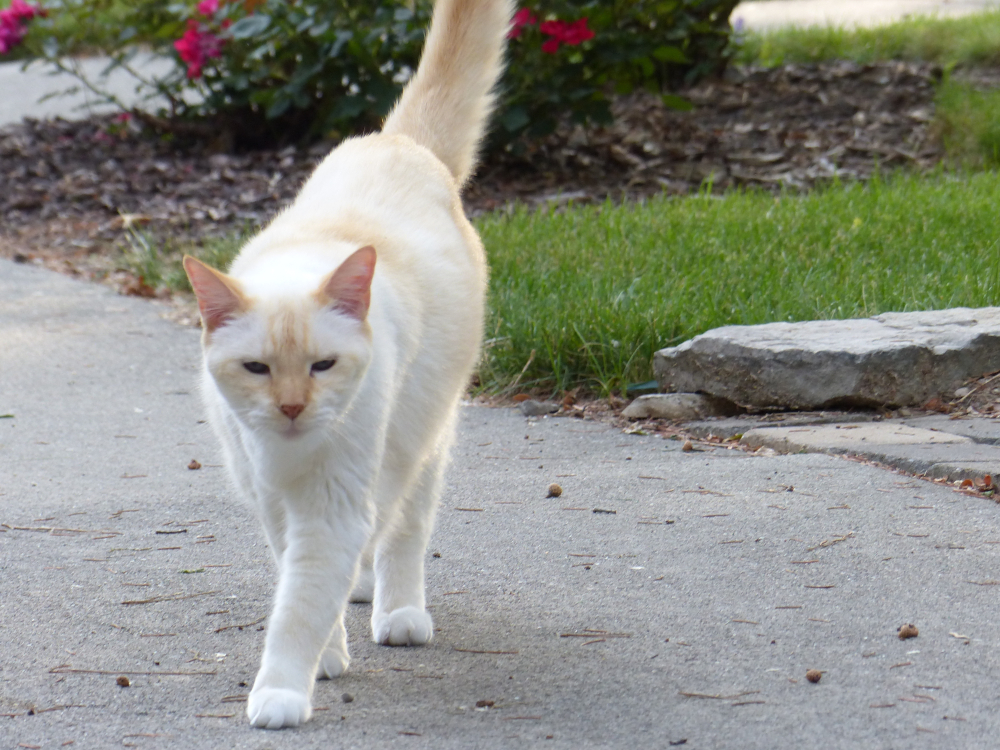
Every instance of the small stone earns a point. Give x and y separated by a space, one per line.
679 406
484 704
687 447
347 698
194 464
122 681
554 490
814 675
436 554
962 392
532 408
908 631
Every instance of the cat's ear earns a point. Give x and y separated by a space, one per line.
219 297
348 289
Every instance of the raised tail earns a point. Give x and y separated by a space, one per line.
446 104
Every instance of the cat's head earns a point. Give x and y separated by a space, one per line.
286 360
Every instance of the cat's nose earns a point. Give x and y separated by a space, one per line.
292 410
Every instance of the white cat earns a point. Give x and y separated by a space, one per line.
336 351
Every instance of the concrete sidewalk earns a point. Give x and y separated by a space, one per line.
773 14
688 614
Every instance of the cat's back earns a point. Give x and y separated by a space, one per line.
386 191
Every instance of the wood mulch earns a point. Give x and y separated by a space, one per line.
71 189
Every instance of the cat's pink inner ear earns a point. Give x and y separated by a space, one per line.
219 297
348 289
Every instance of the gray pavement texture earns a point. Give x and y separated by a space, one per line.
726 575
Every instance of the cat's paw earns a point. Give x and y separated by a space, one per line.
276 708
332 663
364 587
406 626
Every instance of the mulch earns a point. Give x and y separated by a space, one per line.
72 188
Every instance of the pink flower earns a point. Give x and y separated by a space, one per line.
577 33
563 32
22 11
196 47
208 7
522 18
10 37
13 23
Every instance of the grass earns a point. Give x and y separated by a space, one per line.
588 296
968 121
968 40
584 297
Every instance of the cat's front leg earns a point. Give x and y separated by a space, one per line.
306 625
399 615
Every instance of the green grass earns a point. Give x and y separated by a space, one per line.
968 122
592 294
968 40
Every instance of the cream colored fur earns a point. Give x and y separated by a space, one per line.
375 269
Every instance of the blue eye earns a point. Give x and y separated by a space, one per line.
326 364
257 368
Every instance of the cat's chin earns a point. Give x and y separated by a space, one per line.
293 432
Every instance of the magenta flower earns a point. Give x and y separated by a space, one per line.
522 18
208 7
196 47
564 32
22 11
13 23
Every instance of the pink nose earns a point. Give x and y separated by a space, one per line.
292 410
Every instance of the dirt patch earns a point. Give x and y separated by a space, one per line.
72 188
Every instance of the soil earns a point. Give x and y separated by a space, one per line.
72 188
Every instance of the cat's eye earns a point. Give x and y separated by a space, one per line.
326 364
257 368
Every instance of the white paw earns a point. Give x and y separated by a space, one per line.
406 626
332 664
364 587
274 708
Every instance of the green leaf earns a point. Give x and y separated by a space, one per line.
343 37
667 53
348 107
319 29
677 102
249 26
278 107
514 119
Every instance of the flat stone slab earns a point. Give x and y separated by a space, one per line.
980 429
894 359
915 450
728 428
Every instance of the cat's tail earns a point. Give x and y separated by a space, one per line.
446 104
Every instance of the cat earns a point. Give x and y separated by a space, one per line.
336 350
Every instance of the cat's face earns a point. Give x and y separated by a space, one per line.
291 364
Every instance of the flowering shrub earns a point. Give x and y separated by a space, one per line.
285 69
14 22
